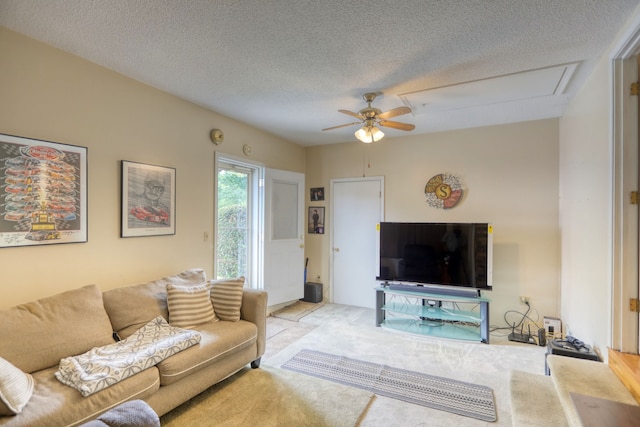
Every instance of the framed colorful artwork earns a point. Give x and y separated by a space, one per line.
44 192
148 200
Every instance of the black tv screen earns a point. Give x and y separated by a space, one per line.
450 254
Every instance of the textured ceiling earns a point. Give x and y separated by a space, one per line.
287 66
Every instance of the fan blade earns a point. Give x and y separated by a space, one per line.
396 125
352 114
394 112
341 126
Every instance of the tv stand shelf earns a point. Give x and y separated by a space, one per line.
433 314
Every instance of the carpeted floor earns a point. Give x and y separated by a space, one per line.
351 332
281 333
271 397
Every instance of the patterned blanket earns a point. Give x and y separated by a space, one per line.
101 367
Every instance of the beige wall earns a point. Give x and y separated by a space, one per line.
510 177
585 203
51 95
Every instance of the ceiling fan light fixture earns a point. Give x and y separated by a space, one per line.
369 134
370 116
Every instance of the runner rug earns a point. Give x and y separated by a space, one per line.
453 396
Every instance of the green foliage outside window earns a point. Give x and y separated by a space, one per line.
231 225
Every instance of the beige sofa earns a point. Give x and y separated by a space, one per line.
34 337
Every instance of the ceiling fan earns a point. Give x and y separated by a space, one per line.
371 117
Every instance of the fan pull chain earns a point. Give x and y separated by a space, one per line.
365 160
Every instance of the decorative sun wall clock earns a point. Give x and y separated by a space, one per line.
443 191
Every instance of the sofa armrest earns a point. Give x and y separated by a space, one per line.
254 310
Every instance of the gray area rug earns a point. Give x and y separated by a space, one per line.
453 396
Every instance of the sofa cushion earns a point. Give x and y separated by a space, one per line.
38 334
16 388
55 404
219 340
132 307
189 305
226 296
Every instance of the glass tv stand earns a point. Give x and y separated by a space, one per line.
435 314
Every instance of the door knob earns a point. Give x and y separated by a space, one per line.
336 249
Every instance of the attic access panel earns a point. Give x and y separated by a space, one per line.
542 82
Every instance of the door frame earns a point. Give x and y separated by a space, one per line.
332 182
256 215
625 284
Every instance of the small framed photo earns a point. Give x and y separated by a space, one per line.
148 200
43 196
317 194
316 220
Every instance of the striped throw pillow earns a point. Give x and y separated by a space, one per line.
226 295
189 305
16 388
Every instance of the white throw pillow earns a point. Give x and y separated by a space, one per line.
189 305
16 388
226 295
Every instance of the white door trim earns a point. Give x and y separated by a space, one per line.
624 167
255 272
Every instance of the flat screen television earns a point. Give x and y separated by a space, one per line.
436 254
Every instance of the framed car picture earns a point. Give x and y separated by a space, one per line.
44 192
148 200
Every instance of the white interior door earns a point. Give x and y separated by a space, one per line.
283 238
357 209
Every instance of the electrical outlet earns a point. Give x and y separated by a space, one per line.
524 300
